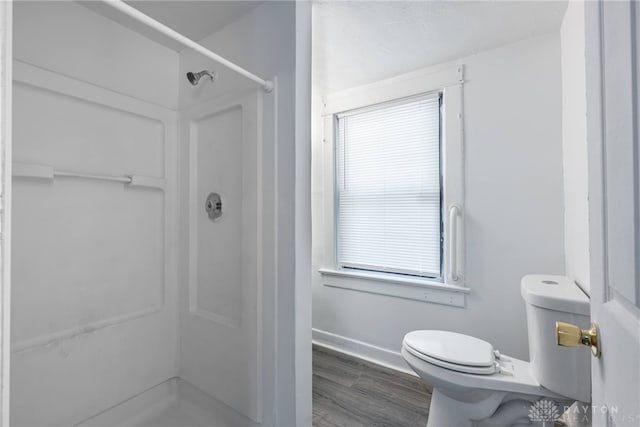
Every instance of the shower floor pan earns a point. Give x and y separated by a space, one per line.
174 403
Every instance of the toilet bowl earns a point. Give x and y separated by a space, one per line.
475 385
471 399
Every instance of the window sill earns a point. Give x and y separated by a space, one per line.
396 286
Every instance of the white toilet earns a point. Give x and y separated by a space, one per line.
475 385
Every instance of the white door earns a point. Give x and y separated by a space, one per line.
613 76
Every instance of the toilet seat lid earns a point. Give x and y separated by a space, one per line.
451 347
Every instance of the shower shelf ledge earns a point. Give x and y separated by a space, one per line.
45 172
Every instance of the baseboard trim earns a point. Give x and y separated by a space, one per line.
362 350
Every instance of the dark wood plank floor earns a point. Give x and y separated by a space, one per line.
351 392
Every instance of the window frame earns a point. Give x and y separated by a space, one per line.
451 289
391 269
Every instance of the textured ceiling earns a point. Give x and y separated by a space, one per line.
351 39
194 19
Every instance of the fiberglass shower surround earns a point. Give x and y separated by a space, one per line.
130 306
48 172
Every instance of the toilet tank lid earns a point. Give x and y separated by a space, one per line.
554 293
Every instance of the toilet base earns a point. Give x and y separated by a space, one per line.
443 412
497 410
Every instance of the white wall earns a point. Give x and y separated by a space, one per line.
262 41
303 292
513 209
94 280
574 144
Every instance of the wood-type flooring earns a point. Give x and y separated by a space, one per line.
351 392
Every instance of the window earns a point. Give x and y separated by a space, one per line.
389 197
388 187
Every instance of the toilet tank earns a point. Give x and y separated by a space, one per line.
563 370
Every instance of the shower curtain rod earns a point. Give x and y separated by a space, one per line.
267 85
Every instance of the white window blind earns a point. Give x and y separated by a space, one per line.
388 187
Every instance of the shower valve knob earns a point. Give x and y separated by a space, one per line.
213 206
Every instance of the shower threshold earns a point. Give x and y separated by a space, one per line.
174 403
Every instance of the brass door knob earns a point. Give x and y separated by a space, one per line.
568 335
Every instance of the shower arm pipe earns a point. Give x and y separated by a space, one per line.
267 85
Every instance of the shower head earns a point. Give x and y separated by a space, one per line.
194 78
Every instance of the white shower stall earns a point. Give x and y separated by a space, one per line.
130 305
